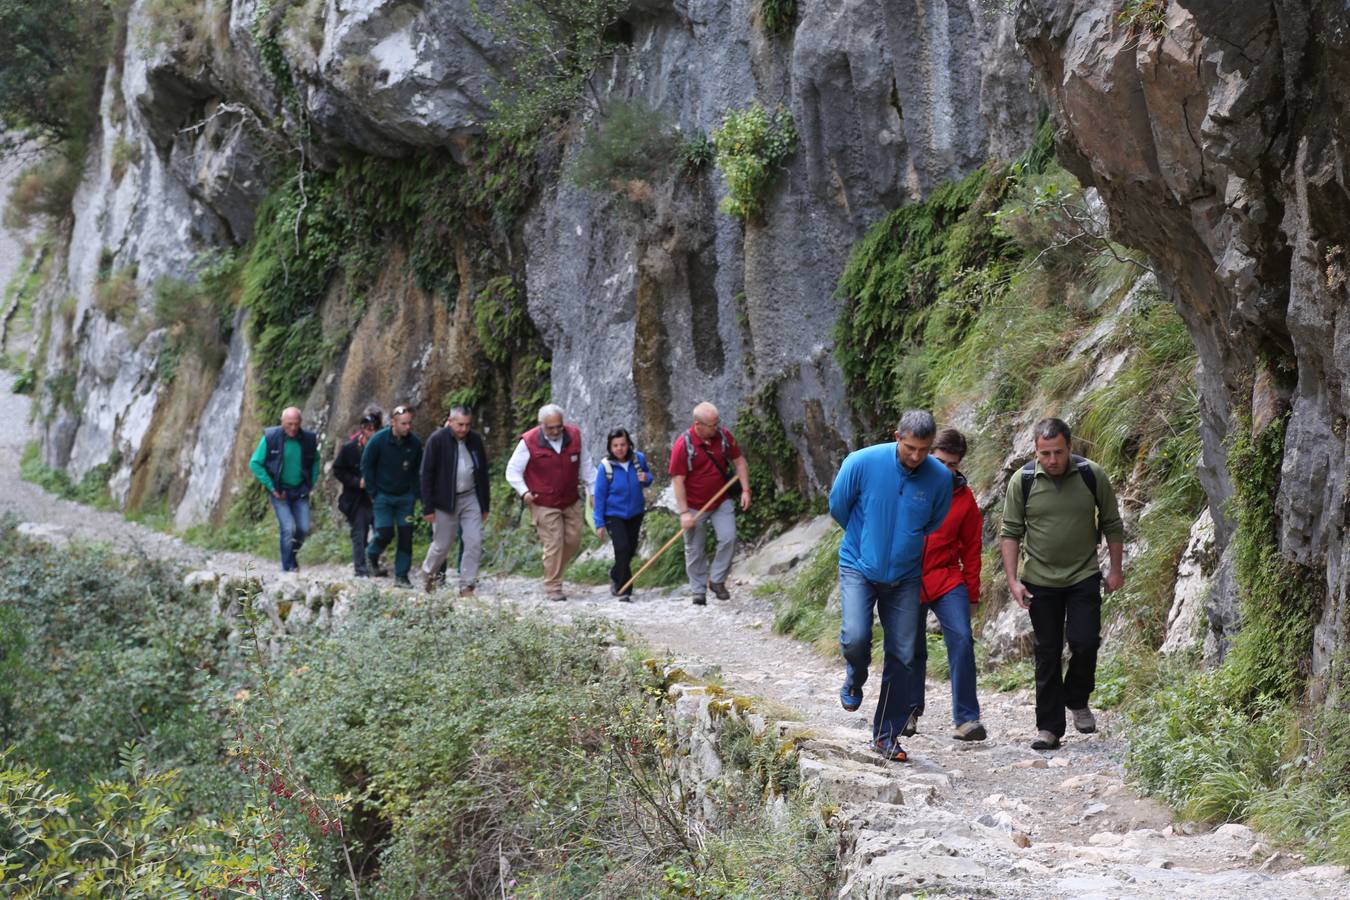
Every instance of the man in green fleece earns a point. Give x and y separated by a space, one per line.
390 467
287 464
1057 509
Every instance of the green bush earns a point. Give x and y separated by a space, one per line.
91 490
632 143
752 146
777 16
696 154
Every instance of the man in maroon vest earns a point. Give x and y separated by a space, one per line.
545 470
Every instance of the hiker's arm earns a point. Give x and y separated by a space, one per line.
1009 547
743 473
942 505
971 528
843 493
368 457
426 478
256 465
1115 576
515 469
600 494
681 503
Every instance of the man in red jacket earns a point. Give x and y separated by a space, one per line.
951 585
545 470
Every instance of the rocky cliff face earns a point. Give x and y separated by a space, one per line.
645 307
1214 132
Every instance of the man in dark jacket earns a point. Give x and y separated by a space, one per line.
389 466
286 463
354 502
454 497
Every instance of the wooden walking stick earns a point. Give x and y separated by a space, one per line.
707 506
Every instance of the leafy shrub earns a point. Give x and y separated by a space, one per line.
632 142
696 154
44 190
752 145
777 16
1144 16
92 489
118 294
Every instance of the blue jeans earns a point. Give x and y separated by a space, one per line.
897 607
292 510
953 614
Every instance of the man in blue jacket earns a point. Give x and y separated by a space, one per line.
888 498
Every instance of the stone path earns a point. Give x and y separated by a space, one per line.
992 819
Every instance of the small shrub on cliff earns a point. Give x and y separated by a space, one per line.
1144 15
752 145
633 142
777 16
44 190
118 295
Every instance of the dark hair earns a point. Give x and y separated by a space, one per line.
618 433
917 423
1049 428
949 440
372 418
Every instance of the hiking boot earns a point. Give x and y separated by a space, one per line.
376 569
1045 740
557 597
466 590
719 589
429 583
402 581
889 748
850 698
362 573
1084 721
625 598
699 599
970 731
911 725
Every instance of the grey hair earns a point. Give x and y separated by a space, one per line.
460 411
550 409
1049 428
917 423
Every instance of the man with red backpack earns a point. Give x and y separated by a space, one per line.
702 460
950 587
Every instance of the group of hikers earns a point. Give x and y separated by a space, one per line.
912 536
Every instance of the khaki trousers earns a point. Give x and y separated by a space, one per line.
560 532
467 522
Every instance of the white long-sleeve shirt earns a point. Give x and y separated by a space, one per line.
515 467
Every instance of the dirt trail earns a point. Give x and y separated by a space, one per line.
951 821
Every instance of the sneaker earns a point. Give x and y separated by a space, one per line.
1084 721
376 569
970 731
850 698
911 725
1045 740
700 599
402 582
719 589
889 748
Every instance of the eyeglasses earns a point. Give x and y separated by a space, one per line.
553 427
400 410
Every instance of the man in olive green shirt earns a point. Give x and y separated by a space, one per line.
1056 511
286 463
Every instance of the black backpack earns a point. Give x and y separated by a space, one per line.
1085 472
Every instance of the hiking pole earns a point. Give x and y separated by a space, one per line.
707 506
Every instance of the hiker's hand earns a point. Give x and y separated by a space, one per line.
278 494
429 517
362 485
745 499
600 533
1020 594
528 497
484 516
687 520
1115 579
643 477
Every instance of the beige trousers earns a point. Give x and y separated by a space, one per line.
560 533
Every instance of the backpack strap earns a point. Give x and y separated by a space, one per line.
1084 471
1028 478
609 469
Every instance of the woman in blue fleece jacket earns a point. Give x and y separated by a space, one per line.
620 480
888 498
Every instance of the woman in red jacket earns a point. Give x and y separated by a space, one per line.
951 584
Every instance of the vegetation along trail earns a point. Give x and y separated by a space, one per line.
981 819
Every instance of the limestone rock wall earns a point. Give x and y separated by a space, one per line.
645 308
1217 142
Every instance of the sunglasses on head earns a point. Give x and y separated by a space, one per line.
400 410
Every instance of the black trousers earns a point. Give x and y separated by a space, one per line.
623 533
1073 613
360 520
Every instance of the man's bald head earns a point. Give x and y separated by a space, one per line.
290 421
706 414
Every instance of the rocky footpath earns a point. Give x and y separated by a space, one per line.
1215 134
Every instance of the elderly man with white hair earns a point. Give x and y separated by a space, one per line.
545 470
286 463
